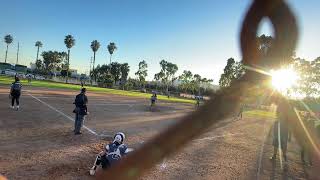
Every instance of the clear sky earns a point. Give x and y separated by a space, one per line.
197 35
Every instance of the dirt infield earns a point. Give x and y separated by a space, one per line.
37 141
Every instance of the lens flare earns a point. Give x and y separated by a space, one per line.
284 79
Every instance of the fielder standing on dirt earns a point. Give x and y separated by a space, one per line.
80 110
15 93
239 117
153 99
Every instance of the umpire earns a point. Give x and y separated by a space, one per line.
80 110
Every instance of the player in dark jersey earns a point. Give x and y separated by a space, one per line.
153 99
113 152
198 98
15 93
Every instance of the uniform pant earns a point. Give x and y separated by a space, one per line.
78 122
103 161
15 97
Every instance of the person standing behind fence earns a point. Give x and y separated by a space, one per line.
306 150
15 93
280 134
80 110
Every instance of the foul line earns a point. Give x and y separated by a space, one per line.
63 114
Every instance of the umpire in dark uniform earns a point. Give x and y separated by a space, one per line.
80 110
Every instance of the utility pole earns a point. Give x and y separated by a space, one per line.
90 65
90 71
18 54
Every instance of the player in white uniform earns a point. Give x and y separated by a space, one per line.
112 153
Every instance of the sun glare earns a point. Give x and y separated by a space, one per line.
284 79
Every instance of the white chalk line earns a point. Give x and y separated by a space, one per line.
110 104
63 114
261 151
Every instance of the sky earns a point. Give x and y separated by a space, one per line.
197 35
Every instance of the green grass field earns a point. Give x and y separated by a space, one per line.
4 80
260 113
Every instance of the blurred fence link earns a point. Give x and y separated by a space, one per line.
226 101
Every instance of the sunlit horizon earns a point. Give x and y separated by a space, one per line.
284 79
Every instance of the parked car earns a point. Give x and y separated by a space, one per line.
37 77
10 72
21 75
30 76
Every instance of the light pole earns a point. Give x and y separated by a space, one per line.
17 54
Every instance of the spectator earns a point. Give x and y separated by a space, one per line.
305 147
280 133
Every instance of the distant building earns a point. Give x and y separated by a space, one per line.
17 67
20 68
4 66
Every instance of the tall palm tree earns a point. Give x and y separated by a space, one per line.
38 45
69 41
95 45
7 39
111 48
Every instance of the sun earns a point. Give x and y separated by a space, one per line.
284 79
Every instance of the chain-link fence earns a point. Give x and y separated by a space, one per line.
225 102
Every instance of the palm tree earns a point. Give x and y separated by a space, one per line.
111 48
69 41
7 39
95 45
38 45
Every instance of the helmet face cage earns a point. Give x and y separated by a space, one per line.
119 137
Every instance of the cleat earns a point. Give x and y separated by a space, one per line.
92 171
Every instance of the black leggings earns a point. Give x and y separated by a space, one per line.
15 98
103 161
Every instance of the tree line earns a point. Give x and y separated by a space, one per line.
116 74
308 83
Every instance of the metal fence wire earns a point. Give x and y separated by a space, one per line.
224 103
